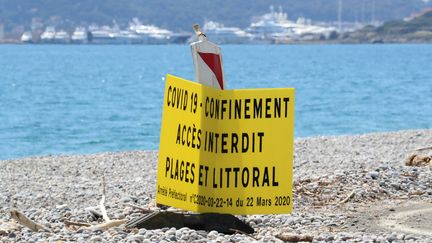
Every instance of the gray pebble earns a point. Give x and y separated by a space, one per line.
360 163
374 175
212 234
410 237
392 237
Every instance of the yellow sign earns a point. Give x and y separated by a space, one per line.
226 151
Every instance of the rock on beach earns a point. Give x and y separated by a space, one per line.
346 188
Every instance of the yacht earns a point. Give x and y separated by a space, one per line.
275 27
220 34
150 34
317 31
27 37
269 25
61 37
79 36
48 35
129 37
104 35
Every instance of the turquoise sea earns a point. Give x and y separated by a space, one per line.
66 99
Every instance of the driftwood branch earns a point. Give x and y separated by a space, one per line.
102 201
108 222
23 220
348 197
294 237
418 160
103 209
424 148
108 225
143 210
71 223
305 190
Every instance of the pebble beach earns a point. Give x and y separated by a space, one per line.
346 189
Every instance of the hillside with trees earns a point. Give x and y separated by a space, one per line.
416 29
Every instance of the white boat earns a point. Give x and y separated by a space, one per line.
150 34
274 27
220 34
48 35
104 35
268 25
61 37
129 37
79 36
179 38
306 28
27 37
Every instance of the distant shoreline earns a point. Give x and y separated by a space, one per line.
353 42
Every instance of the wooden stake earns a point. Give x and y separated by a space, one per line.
102 201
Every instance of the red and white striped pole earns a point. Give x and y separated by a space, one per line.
207 59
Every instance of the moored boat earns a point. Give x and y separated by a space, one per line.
27 37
